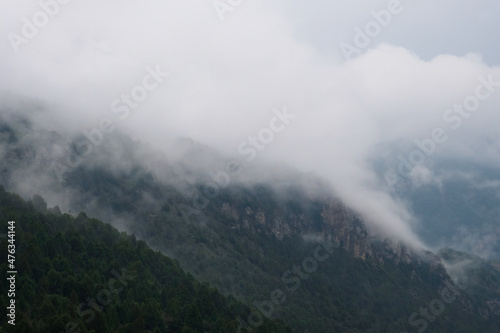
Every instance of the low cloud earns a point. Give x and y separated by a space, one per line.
225 78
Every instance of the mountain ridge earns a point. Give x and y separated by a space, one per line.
248 236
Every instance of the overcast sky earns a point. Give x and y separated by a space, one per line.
230 66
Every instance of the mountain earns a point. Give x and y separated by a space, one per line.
285 245
81 275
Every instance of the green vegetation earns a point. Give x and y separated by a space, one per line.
241 243
345 294
81 274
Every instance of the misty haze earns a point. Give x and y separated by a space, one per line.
250 166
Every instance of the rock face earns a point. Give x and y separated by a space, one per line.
324 218
328 218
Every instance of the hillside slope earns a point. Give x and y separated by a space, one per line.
81 275
289 249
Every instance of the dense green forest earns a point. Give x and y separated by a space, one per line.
82 275
345 293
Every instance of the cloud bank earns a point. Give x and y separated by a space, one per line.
163 70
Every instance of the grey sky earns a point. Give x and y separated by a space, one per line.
428 28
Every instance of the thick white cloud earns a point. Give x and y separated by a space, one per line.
226 77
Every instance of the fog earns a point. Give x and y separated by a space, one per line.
228 75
